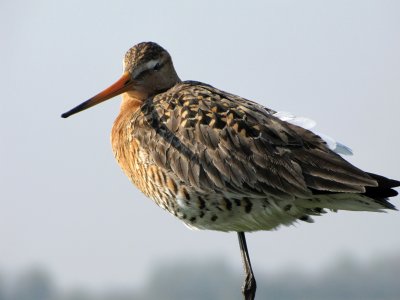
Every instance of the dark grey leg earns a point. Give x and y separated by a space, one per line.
250 286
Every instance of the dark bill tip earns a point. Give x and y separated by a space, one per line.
80 107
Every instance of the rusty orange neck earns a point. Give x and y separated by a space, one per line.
129 105
131 101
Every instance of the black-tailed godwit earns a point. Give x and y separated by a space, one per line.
221 162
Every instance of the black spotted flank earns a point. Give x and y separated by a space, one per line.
228 204
248 205
186 194
287 207
202 203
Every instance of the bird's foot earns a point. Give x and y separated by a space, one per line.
249 287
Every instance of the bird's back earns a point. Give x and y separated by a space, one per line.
219 161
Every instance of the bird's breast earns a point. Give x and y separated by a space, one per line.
197 209
135 161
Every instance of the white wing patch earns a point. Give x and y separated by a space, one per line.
307 123
335 146
295 120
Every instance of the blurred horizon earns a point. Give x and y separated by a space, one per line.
345 278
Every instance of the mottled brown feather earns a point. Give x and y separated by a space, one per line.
231 144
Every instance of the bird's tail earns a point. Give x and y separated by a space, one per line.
375 198
383 191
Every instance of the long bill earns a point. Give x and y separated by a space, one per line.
121 85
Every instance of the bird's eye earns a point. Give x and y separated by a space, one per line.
157 67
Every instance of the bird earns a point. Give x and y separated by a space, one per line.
218 161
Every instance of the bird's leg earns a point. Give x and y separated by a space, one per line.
249 287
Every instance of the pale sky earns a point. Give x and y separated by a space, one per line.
64 202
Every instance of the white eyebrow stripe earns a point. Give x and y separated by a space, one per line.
147 66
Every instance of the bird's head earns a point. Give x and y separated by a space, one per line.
148 70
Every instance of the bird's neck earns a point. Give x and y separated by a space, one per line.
131 101
121 129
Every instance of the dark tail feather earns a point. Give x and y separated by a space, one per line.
383 191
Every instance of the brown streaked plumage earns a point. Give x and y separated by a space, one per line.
221 162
